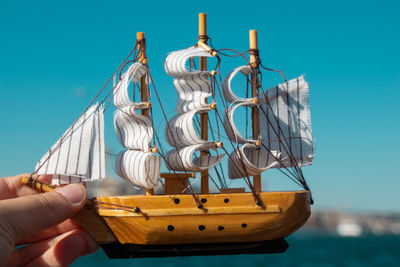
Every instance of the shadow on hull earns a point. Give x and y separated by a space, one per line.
117 250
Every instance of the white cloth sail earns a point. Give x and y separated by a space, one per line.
193 88
285 127
249 160
192 91
133 74
285 122
184 159
176 63
181 131
230 127
141 168
229 95
134 132
79 155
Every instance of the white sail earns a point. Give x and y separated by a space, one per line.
135 133
193 88
184 159
230 127
181 131
236 102
78 156
285 116
141 168
133 74
227 91
176 62
249 160
285 127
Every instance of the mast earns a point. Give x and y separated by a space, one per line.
194 87
255 116
203 116
144 96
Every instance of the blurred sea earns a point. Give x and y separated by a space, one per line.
304 250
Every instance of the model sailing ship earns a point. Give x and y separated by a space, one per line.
181 221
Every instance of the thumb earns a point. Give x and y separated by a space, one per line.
25 216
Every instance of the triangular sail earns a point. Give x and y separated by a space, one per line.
193 88
134 132
78 156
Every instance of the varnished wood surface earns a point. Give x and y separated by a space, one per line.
253 46
225 218
143 85
176 183
186 211
37 185
207 49
176 186
255 116
231 217
92 223
202 27
169 175
204 116
232 190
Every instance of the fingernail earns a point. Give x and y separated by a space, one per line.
73 192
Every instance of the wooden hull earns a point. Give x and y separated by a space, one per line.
175 219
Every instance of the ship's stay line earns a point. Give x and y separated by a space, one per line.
292 170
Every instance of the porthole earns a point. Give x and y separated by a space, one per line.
170 228
202 227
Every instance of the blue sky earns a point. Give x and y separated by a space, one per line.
55 55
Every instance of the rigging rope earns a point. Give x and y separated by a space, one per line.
199 205
71 129
296 175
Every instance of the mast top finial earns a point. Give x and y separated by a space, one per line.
140 35
203 27
141 47
253 48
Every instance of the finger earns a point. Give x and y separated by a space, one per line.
25 216
66 226
66 251
11 187
69 245
27 254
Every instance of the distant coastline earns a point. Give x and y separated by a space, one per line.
353 224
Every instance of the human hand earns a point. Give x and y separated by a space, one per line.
40 221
